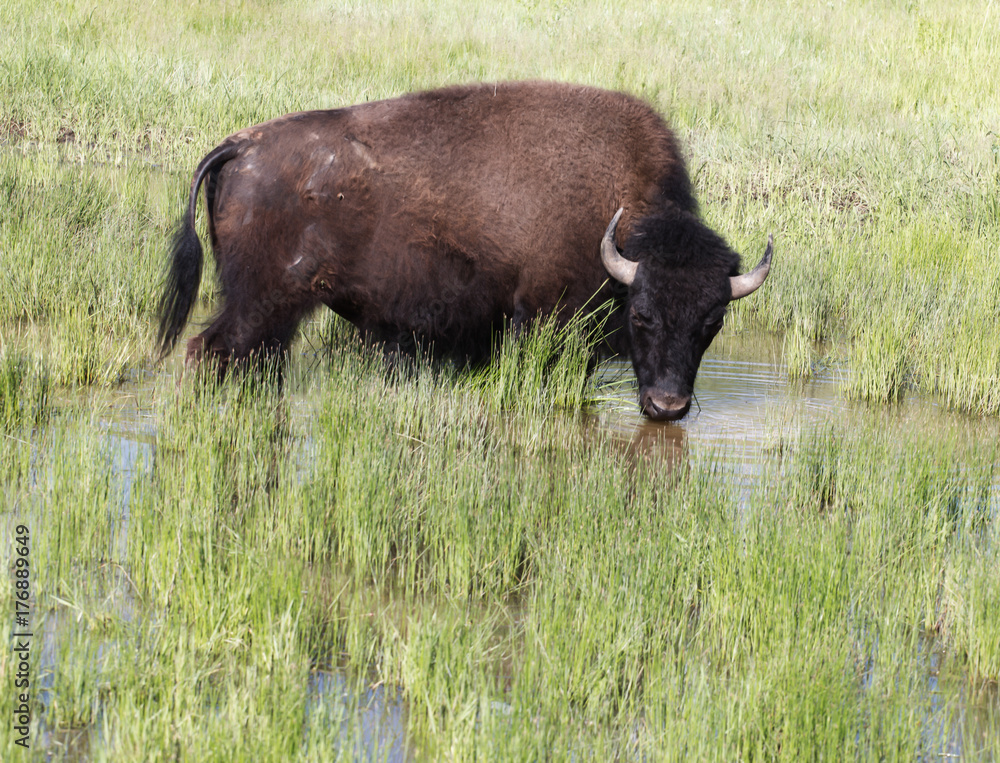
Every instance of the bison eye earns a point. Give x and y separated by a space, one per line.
639 319
714 324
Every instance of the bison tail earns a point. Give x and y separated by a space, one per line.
183 278
184 266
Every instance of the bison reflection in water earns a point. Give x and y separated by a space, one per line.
442 217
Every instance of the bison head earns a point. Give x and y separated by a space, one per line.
681 276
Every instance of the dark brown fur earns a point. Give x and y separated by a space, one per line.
438 213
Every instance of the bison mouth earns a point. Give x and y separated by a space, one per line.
661 406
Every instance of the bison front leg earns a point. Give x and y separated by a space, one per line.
525 313
398 347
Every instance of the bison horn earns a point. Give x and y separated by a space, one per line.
617 266
748 283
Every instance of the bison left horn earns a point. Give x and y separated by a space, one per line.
617 266
748 283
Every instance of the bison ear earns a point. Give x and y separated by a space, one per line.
617 266
748 283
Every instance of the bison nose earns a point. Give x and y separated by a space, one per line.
660 406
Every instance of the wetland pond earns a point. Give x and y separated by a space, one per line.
748 416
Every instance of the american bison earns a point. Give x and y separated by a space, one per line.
441 218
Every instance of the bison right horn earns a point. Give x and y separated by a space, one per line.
617 266
748 283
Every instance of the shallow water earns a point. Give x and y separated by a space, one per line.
380 722
743 401
746 407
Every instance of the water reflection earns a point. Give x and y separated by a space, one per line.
745 407
372 719
743 400
657 442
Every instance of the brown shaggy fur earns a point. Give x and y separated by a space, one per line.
440 217
438 214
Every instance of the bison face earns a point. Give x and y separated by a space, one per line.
681 278
672 318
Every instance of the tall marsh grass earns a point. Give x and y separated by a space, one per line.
530 592
81 257
24 392
544 367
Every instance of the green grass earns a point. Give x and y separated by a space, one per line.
530 592
24 392
529 587
545 368
82 253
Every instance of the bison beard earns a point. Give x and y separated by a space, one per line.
440 218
